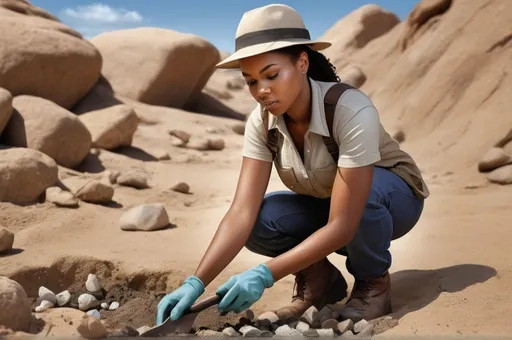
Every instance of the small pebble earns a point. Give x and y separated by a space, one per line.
345 326
330 323
326 332
309 315
271 316
46 294
92 284
360 325
209 332
324 314
114 305
239 128
87 301
302 326
144 217
63 298
286 330
104 305
230 331
367 331
249 314
182 187
216 144
250 331
311 333
91 328
94 313
134 177
180 134
44 306
266 334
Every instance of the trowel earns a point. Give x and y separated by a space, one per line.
183 324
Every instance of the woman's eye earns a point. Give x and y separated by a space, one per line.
273 77
251 83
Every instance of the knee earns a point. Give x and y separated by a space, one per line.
375 227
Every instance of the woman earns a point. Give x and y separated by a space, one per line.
355 206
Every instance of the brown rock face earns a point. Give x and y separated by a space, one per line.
40 124
15 312
46 62
156 66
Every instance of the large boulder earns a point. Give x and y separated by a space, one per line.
15 311
155 65
42 125
5 108
26 8
46 62
25 174
112 127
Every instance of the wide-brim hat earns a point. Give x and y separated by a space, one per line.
269 28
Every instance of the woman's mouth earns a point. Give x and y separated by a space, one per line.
269 105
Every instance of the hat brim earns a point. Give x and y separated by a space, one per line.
233 61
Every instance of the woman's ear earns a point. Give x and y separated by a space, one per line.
304 62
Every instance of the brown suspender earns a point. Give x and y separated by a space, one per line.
330 100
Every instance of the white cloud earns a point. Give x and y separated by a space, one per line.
101 13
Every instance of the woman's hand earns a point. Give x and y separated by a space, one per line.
242 290
178 301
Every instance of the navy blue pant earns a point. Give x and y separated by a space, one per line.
286 219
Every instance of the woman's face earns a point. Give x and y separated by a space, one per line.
274 80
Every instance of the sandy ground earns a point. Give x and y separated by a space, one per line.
451 275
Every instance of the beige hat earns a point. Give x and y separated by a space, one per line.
269 28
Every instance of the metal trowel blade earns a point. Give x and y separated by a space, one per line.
169 327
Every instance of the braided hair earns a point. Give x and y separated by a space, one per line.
320 68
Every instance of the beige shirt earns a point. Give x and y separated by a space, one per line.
357 131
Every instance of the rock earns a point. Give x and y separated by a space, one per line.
5 108
353 75
162 155
286 330
325 313
87 301
25 174
94 313
63 298
15 309
266 334
311 333
42 125
175 141
104 305
181 62
110 176
61 197
330 323
367 331
249 314
89 190
91 328
216 144
49 62
92 284
136 178
143 329
212 130
502 175
326 333
181 135
114 305
209 332
493 159
398 134
46 294
26 8
145 217
270 316
181 187
249 331
238 128
198 143
310 315
112 127
230 331
345 326
6 240
302 326
44 306
126 331
360 325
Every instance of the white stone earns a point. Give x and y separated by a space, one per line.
250 331
144 217
114 305
87 301
92 284
44 306
302 326
360 325
270 316
63 298
104 305
230 331
345 326
46 294
329 332
94 313
286 330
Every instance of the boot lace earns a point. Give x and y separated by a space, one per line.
299 286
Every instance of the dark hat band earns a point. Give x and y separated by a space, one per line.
269 35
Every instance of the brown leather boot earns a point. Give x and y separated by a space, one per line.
317 285
369 299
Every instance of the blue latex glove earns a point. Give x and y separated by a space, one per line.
180 300
242 290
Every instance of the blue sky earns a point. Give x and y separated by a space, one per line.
214 20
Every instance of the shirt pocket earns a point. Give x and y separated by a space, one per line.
289 179
324 177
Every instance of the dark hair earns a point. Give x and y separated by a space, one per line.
320 68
